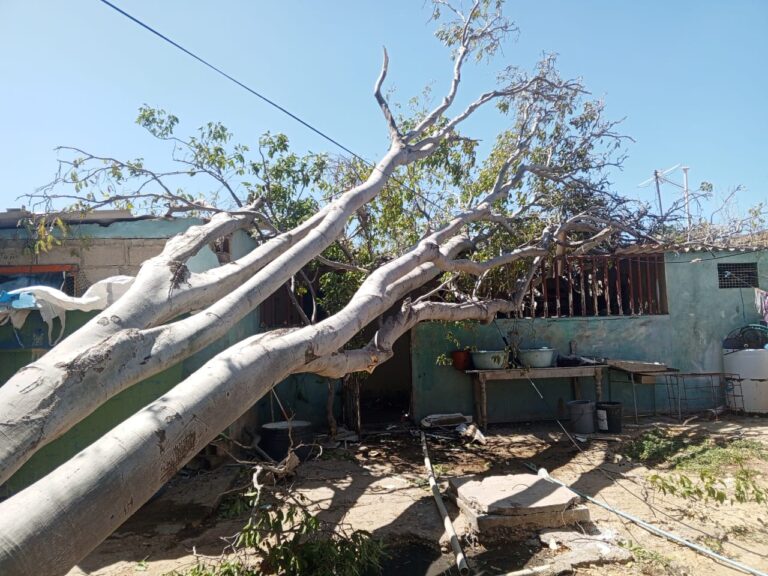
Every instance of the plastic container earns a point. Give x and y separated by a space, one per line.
537 357
582 413
490 359
609 416
752 366
276 438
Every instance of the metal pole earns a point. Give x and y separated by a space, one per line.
656 178
687 205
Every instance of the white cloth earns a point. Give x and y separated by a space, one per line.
54 303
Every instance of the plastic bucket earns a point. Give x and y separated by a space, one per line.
582 413
276 438
609 416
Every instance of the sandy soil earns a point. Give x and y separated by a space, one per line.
379 485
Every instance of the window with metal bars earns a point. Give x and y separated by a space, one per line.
737 275
60 276
574 286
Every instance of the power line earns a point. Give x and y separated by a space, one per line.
261 96
232 79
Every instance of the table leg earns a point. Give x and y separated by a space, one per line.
634 395
478 388
483 407
599 383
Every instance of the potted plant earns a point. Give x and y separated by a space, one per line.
462 359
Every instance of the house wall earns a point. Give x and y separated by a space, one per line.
688 338
101 251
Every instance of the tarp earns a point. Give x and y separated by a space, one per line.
15 305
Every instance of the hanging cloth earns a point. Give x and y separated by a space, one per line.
761 303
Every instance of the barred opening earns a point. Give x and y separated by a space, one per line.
572 286
737 275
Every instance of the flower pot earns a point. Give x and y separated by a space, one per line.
461 360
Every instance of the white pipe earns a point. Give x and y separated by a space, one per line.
461 561
542 472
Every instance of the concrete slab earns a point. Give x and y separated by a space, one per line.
512 494
535 521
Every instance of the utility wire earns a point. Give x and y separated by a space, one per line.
232 79
269 101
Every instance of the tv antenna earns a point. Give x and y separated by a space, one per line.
660 176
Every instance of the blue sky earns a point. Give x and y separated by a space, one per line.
689 76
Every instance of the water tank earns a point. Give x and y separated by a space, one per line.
752 365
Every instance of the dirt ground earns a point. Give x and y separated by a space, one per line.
379 485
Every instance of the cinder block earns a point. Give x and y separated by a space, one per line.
139 251
95 274
98 254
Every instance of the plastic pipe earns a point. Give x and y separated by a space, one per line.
542 472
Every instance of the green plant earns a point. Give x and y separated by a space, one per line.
294 542
645 556
233 505
224 568
706 488
714 458
289 540
710 488
654 446
42 233
747 490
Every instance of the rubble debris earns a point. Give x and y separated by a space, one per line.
445 420
582 549
472 432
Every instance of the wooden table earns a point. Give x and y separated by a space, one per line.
481 377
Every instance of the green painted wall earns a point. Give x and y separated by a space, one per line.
688 338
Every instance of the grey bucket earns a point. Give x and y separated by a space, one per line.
582 413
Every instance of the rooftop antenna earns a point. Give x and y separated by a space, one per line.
658 176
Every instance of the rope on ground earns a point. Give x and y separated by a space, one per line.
461 561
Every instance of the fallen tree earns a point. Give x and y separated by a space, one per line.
542 189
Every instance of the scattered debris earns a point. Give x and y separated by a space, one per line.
472 432
445 420
272 473
582 549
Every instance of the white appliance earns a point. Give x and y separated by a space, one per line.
752 365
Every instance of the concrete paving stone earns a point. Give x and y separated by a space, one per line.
512 494
483 522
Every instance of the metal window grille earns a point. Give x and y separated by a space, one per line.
573 286
737 275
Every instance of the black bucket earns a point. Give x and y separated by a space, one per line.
609 416
276 438
582 414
